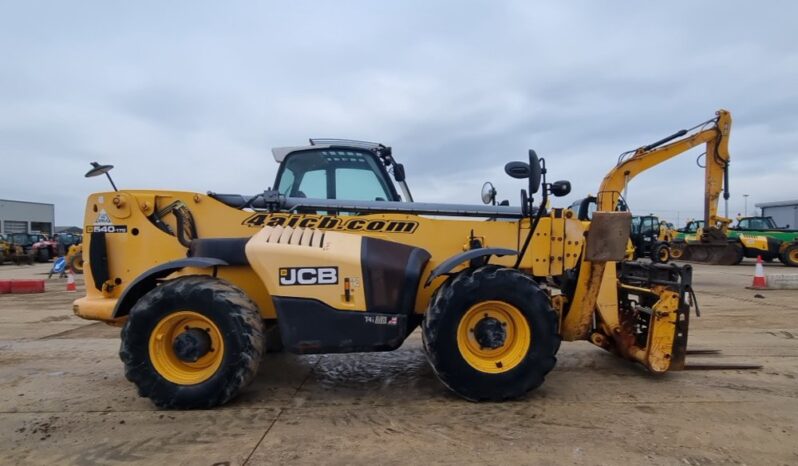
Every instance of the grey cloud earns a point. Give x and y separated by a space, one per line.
191 95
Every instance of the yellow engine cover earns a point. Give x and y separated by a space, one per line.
308 263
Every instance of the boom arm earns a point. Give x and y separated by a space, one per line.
716 138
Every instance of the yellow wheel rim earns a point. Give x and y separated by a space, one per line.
514 347
676 253
794 256
663 255
166 361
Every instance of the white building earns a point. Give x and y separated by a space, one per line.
26 217
784 213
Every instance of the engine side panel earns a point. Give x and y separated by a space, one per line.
343 271
338 292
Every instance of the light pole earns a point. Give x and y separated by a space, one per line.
746 204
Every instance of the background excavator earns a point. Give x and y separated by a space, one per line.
708 242
711 244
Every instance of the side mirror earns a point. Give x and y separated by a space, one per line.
98 169
535 172
398 172
532 171
488 193
560 188
518 170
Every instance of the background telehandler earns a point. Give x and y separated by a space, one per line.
751 237
650 238
338 262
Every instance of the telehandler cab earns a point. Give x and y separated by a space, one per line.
338 261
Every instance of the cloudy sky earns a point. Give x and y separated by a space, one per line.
192 95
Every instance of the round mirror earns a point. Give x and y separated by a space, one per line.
98 169
488 193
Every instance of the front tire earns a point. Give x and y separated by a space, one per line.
193 342
490 334
76 263
661 254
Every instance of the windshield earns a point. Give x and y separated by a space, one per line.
649 225
693 227
636 225
584 208
20 238
757 223
335 174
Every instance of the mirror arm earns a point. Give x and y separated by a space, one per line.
111 181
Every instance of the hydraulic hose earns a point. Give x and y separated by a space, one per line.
532 228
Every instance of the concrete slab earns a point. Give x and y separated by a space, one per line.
783 281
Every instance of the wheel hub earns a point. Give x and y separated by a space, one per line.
490 333
192 344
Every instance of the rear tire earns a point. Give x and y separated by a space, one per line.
152 335
790 256
739 252
454 331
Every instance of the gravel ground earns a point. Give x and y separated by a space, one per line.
64 398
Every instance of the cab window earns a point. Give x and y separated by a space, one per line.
647 226
334 174
591 207
357 184
756 224
313 184
636 225
692 227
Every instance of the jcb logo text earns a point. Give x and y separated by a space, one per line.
308 276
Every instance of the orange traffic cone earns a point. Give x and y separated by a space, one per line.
71 282
759 275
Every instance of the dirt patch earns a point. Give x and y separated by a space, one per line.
95 330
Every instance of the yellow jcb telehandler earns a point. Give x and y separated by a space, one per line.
334 259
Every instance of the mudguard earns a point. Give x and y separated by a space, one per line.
148 280
452 262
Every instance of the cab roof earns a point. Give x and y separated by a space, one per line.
280 153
